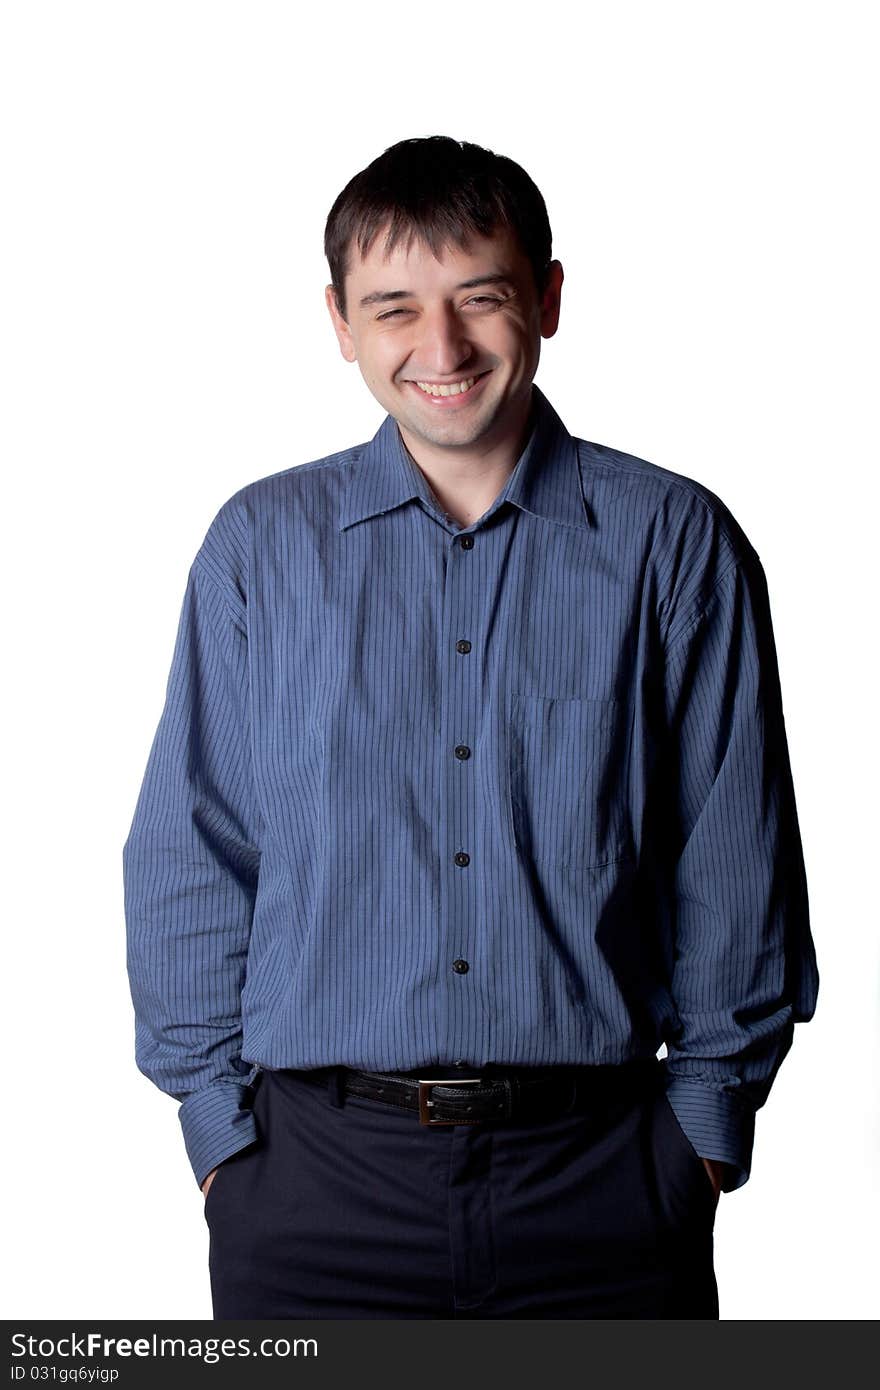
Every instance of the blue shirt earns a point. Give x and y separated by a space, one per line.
516 792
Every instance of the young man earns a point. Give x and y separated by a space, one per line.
471 791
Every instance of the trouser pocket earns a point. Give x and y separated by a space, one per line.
228 1171
684 1187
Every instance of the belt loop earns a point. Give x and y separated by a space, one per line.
334 1087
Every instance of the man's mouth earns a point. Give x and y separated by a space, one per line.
450 390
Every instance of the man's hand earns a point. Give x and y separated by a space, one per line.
715 1168
210 1178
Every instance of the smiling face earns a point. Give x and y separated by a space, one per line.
449 347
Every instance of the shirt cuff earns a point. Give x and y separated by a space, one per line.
718 1124
216 1123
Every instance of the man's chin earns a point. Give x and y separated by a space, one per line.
449 435
452 429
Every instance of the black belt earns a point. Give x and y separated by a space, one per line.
495 1093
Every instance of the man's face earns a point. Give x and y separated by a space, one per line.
474 317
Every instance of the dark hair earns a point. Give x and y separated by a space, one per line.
439 190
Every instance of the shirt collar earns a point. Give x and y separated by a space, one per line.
546 479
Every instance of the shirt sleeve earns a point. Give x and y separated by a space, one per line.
744 966
190 869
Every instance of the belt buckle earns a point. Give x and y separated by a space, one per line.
425 1097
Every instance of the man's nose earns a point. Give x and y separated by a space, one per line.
444 345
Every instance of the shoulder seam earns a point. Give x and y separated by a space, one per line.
200 565
692 620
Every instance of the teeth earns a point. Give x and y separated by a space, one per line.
457 389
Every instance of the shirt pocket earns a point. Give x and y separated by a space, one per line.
566 764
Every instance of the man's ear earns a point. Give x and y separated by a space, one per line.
551 300
340 327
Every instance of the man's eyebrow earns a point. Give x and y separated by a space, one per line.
500 277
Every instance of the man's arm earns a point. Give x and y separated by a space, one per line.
191 865
744 967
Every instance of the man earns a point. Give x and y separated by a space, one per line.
472 770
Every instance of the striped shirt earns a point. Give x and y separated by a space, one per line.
514 792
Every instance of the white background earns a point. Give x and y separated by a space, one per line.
167 169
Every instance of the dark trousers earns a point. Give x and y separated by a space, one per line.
347 1208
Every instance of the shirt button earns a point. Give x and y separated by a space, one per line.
463 646
462 751
460 967
466 542
462 859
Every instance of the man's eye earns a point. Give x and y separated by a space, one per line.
474 299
